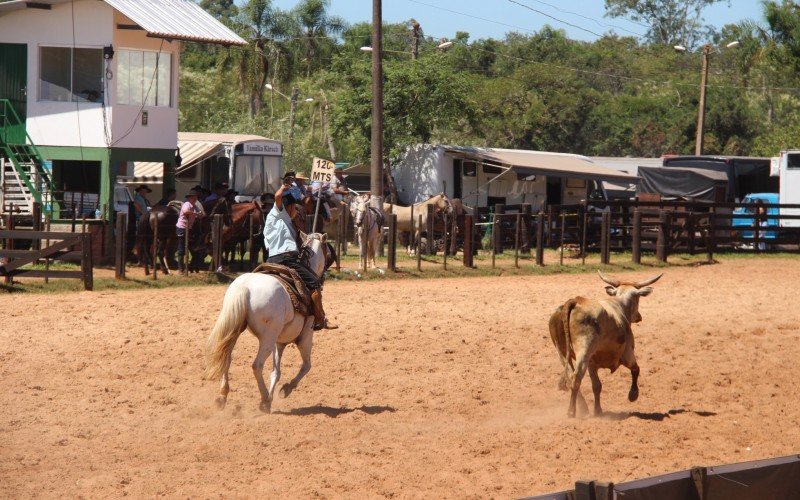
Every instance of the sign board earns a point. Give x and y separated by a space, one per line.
322 170
260 148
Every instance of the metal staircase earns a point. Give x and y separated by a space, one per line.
23 178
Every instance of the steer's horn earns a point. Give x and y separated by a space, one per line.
650 281
608 280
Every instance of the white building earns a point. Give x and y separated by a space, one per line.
95 87
486 176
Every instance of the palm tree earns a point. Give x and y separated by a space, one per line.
316 25
266 29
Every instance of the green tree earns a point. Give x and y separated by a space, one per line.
221 9
669 22
317 25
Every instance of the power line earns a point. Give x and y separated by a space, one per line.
605 25
555 18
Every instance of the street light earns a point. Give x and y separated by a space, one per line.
701 112
442 46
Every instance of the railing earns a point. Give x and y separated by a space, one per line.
10 118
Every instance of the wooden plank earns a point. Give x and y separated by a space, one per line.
41 273
47 252
86 262
24 234
469 240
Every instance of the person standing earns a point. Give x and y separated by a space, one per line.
171 195
140 202
188 215
280 238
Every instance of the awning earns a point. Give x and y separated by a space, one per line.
176 20
192 153
548 164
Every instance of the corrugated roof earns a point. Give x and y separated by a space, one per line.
173 19
176 19
226 138
192 152
546 163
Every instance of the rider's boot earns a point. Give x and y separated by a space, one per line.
320 321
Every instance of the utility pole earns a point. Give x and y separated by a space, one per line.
292 109
376 157
415 27
701 114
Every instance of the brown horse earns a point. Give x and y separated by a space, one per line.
165 218
237 230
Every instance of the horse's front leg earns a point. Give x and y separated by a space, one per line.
304 344
276 368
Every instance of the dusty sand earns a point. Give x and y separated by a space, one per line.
431 388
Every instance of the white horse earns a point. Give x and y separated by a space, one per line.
367 221
259 302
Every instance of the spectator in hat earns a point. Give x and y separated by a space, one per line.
188 215
140 202
300 181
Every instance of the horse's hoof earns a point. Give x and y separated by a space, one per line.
220 402
286 390
633 395
265 406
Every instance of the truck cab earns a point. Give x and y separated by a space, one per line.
745 216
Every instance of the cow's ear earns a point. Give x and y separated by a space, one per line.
611 290
645 291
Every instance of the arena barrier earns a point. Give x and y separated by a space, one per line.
769 479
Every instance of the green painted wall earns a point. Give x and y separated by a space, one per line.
110 160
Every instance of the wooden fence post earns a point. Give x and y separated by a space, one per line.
216 242
185 257
548 235
517 229
391 258
710 237
540 239
250 241
430 220
419 243
605 237
155 250
469 240
690 232
756 229
493 237
661 242
454 235
37 223
412 234
120 246
344 215
86 261
445 248
584 228
499 210
525 228
636 240
561 245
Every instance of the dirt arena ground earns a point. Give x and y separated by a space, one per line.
431 388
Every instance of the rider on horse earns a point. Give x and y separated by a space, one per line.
280 238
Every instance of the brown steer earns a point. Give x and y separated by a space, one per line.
597 334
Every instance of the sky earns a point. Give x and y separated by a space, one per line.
583 19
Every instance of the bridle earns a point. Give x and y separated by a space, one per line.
306 252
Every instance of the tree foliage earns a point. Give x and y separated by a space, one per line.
669 22
616 96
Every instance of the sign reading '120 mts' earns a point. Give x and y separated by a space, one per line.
322 170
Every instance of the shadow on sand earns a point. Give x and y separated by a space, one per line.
655 416
335 412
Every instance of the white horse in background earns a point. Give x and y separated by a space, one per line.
369 225
441 204
259 302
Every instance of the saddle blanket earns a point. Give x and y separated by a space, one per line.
292 283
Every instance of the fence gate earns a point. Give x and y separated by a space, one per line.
59 246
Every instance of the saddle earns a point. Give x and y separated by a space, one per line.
292 283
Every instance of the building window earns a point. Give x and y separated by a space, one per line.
143 78
70 75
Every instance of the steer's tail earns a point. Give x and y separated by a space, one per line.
231 322
565 312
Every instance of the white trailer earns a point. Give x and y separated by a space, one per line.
789 171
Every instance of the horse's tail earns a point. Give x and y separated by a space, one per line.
231 322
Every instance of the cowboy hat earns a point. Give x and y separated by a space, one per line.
301 176
192 192
143 187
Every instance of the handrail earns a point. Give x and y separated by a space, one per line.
9 113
